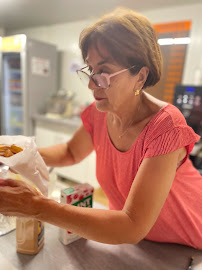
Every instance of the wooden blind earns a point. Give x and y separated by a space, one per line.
173 59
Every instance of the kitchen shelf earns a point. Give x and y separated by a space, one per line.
71 122
14 91
16 107
15 70
16 124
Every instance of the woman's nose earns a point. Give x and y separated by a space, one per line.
92 85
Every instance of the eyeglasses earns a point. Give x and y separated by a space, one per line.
101 80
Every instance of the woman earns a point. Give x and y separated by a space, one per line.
142 146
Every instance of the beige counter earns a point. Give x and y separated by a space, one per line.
89 255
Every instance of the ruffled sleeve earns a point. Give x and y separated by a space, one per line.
175 138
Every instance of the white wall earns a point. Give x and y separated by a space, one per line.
66 37
2 32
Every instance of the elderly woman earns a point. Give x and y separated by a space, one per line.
142 146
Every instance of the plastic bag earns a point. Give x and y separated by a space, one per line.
28 162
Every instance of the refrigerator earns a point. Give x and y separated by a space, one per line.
27 79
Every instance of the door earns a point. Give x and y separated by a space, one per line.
12 95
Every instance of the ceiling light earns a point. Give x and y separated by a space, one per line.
173 41
185 40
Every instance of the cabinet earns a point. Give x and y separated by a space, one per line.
54 131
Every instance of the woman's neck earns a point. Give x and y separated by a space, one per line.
129 114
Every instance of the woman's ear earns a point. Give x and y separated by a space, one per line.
142 76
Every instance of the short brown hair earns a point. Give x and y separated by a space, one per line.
129 38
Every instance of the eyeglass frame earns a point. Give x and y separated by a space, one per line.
106 75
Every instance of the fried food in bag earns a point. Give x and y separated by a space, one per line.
8 151
20 153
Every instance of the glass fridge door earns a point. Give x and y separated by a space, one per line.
12 96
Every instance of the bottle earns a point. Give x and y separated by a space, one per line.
29 235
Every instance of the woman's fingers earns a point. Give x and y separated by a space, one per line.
9 182
13 183
17 198
13 171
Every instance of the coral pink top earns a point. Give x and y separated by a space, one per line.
180 220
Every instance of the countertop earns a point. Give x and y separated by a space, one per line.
72 121
89 255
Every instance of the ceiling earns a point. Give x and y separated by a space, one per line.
19 14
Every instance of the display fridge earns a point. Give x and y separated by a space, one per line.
28 79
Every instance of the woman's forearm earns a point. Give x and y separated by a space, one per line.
105 226
57 155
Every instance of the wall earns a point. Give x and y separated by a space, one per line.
2 32
194 52
66 36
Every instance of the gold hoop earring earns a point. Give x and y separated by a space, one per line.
137 92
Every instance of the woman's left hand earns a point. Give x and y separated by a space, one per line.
17 198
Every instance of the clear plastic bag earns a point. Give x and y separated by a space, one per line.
28 163
7 224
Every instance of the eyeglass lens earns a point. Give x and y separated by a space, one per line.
83 77
98 79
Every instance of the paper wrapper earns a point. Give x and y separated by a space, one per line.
28 162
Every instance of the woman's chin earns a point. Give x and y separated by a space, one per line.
101 105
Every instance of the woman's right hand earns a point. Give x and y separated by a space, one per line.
18 198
